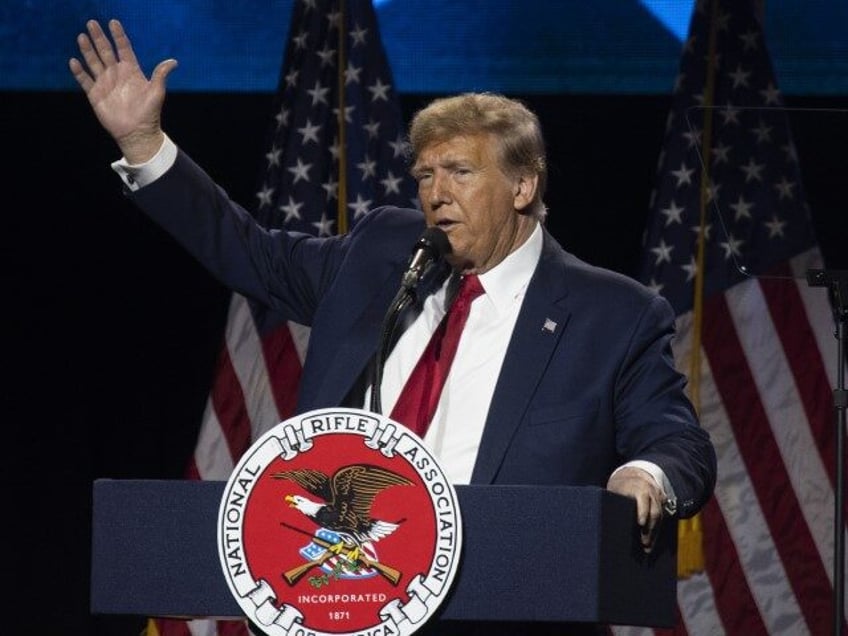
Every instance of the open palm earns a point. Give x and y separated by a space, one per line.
126 103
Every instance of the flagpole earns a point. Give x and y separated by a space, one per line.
837 283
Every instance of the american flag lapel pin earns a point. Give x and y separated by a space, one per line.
549 326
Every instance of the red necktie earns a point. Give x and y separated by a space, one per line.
417 403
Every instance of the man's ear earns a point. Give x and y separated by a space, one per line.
525 191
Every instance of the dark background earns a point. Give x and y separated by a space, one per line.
111 330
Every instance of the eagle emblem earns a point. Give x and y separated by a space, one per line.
343 507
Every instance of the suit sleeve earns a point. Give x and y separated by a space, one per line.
284 270
656 421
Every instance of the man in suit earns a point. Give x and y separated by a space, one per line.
564 374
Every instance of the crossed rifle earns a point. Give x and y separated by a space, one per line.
293 575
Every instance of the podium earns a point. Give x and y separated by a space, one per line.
530 553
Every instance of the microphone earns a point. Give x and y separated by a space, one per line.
429 249
432 246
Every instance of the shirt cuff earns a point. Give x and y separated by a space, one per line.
138 175
670 500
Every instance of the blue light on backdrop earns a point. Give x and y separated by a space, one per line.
434 46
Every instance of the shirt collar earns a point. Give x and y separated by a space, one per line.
507 281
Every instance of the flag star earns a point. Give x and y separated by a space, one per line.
690 268
334 19
762 132
300 40
335 149
291 78
348 116
399 146
318 94
360 207
771 94
707 229
784 188
740 77
352 73
693 137
731 247
327 56
358 36
712 190
324 226
683 175
672 214
368 167
265 195
730 114
749 40
662 252
654 286
309 4
273 156
720 153
331 187
722 21
372 127
300 171
391 183
753 170
775 227
742 208
292 210
791 152
282 118
309 132
379 91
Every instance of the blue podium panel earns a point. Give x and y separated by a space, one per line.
530 553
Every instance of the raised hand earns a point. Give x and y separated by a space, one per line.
127 104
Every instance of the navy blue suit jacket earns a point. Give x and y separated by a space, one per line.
588 381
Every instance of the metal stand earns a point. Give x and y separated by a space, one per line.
837 283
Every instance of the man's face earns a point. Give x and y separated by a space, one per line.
464 192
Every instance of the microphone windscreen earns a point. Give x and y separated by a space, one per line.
435 241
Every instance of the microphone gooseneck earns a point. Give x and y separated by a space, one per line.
429 249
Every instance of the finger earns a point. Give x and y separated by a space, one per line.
160 73
101 43
122 43
92 60
80 74
653 518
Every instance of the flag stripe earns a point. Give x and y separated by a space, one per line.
782 401
727 575
766 468
735 531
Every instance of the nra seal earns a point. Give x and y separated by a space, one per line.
339 521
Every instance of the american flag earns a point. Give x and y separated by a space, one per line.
729 242
335 70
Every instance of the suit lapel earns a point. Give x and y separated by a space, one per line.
358 345
540 325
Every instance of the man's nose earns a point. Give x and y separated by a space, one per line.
439 190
